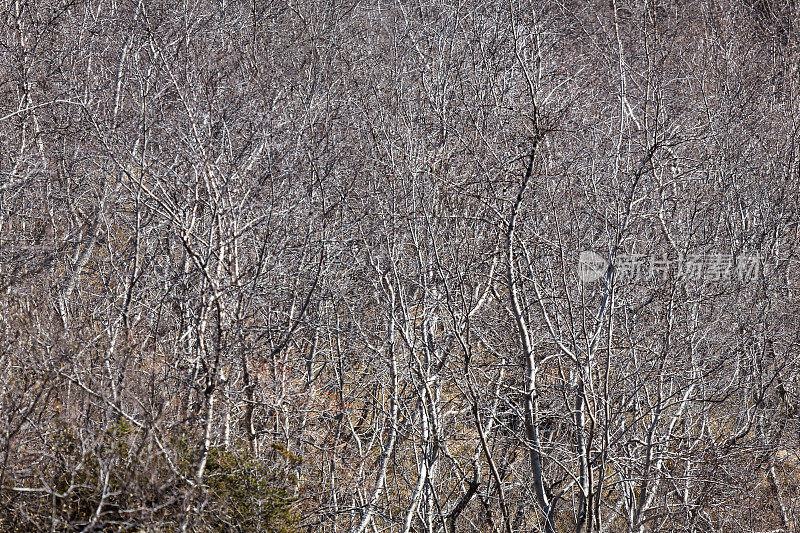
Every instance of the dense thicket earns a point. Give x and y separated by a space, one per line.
283 266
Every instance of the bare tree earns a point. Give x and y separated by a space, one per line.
315 266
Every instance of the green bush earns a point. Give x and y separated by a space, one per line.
251 495
239 492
